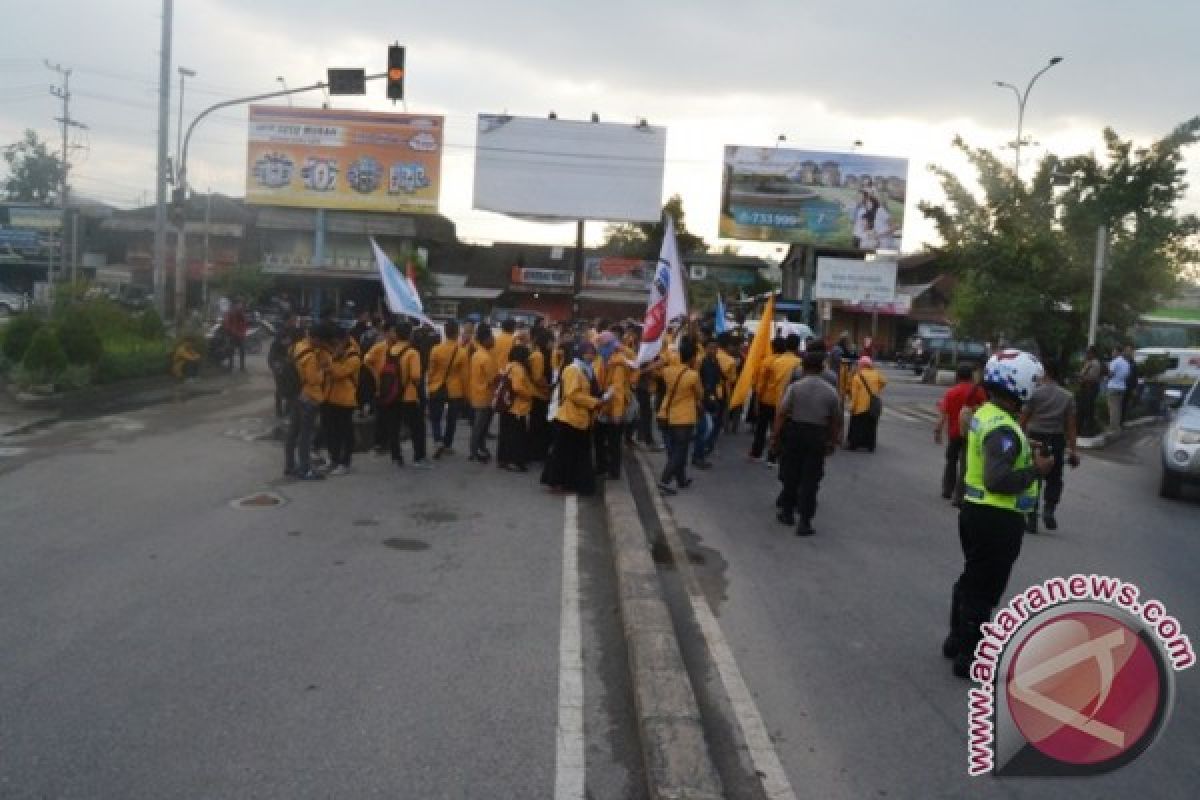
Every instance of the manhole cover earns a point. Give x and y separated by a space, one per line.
257 501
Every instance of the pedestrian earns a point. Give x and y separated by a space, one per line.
504 341
765 387
613 373
374 362
337 413
629 348
512 444
678 414
235 326
806 430
729 357
448 376
540 360
279 359
569 466
863 390
313 359
1000 488
965 394
1115 389
1129 402
1089 389
406 412
1049 420
481 382
712 383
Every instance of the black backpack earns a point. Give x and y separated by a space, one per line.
287 379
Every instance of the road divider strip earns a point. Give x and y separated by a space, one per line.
569 764
757 740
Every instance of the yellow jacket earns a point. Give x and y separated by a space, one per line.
538 376
501 348
375 357
728 365
780 376
184 354
522 389
684 394
408 369
615 375
313 363
481 379
449 366
343 377
763 378
576 403
860 401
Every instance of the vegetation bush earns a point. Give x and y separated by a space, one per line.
150 325
78 337
126 363
45 359
18 335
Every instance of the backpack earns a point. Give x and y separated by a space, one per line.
503 397
390 379
287 377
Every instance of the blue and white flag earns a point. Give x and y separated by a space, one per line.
402 297
720 325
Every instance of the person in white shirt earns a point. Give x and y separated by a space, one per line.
1118 384
885 231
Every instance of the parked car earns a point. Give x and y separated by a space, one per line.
922 352
523 317
1181 443
11 302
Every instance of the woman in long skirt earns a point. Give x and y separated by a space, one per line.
513 445
569 467
540 374
864 383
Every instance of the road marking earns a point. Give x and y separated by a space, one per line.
569 760
762 751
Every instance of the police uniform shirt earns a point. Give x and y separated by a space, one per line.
1048 408
1001 449
810 400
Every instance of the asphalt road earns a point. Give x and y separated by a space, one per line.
838 635
383 634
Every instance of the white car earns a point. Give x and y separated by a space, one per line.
1181 445
11 302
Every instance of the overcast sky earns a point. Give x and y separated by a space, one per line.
902 77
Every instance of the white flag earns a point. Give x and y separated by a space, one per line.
668 298
402 297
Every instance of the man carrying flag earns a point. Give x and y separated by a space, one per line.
668 300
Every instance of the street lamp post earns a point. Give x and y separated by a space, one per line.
184 72
1022 98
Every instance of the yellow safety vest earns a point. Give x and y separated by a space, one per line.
990 417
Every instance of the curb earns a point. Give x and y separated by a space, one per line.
1104 439
674 749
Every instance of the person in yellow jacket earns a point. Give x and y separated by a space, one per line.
504 343
449 368
569 466
678 414
765 389
512 444
373 363
337 413
481 383
613 373
406 410
866 381
185 361
540 365
313 359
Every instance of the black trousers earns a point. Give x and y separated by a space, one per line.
338 424
443 416
802 466
956 463
762 427
302 426
607 437
1053 483
991 541
1086 401
409 416
569 465
677 454
512 444
645 420
539 431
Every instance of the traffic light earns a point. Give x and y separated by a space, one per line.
178 209
395 73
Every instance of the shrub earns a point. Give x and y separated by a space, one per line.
126 364
45 359
78 337
19 334
150 325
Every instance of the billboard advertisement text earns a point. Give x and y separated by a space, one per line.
350 160
615 272
847 200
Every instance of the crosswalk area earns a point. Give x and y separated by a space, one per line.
912 412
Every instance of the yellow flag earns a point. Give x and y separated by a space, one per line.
760 348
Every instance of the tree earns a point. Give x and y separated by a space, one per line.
1023 253
34 173
643 239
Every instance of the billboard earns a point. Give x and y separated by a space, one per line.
616 272
350 160
563 169
855 281
848 200
534 276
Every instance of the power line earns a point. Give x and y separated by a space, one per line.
63 92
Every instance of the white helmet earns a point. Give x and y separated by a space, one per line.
1014 372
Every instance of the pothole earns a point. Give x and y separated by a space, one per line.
257 501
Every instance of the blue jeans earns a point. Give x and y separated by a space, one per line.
444 412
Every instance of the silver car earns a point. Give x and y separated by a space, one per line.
1181 445
11 302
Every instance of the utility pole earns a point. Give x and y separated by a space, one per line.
64 93
160 180
207 262
1097 282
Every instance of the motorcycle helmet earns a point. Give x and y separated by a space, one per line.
1014 372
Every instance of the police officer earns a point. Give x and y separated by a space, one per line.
1000 487
807 424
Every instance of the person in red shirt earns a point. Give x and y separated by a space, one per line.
964 394
236 325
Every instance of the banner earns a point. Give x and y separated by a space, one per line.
401 294
855 281
760 348
616 272
720 324
350 160
848 200
668 298
532 276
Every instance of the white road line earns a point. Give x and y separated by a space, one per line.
762 751
569 762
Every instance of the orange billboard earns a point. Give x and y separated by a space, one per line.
350 160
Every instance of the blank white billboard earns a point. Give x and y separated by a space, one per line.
564 169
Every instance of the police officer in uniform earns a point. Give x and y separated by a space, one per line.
1000 488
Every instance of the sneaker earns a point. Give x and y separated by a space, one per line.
667 490
422 464
785 518
1049 520
339 470
311 475
805 528
770 465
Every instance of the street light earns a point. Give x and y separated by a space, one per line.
283 83
1022 98
184 72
